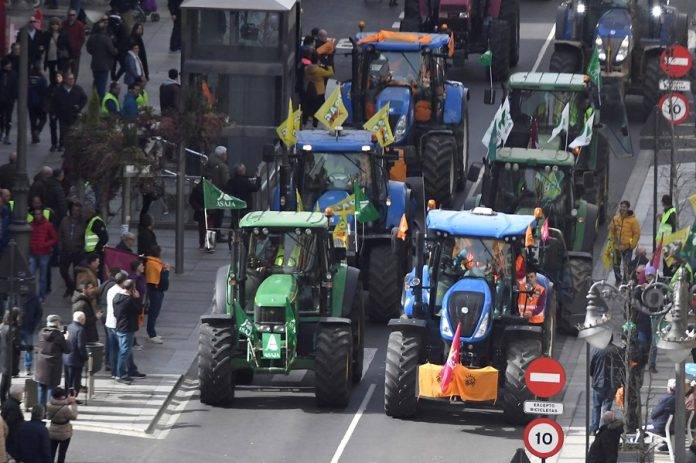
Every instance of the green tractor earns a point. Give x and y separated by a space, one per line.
531 171
283 303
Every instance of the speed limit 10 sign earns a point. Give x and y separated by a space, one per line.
674 106
543 437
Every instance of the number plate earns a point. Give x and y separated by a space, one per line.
675 85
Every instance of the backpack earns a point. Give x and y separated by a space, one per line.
164 280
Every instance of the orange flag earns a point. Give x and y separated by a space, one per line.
528 237
403 228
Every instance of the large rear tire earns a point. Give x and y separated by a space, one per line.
385 281
521 351
651 84
510 12
580 274
333 361
401 374
439 170
564 60
357 317
500 43
215 376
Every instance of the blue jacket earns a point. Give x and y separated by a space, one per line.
131 75
32 313
660 414
78 353
34 442
129 111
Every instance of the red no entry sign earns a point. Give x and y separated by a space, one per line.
543 437
676 61
545 377
674 106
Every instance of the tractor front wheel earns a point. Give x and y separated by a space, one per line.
385 281
215 376
333 362
651 84
580 273
500 42
510 12
401 374
564 60
439 169
520 352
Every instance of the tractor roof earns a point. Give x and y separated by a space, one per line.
402 41
547 81
284 219
534 157
480 222
323 141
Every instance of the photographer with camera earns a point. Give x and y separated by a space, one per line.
53 343
76 359
60 411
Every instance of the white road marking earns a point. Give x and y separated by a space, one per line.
368 357
353 424
545 377
542 52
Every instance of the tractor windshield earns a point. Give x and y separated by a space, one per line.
335 171
536 114
290 252
397 68
525 188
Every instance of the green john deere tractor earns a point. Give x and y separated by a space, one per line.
284 303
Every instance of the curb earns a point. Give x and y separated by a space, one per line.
151 427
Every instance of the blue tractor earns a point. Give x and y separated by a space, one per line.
472 270
629 36
427 112
327 171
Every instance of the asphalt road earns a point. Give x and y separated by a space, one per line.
287 426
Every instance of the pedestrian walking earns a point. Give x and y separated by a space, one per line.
134 69
61 411
85 301
605 370
125 8
110 104
74 28
146 234
605 447
56 49
36 102
104 305
11 413
70 98
15 323
52 110
315 76
112 345
157 278
88 270
137 275
128 241
241 186
625 233
8 171
71 235
39 187
127 312
75 360
218 172
32 314
104 54
34 441
49 362
96 237
120 36
668 224
8 96
175 10
7 335
13 56
170 94
36 41
41 241
136 37
129 111
55 196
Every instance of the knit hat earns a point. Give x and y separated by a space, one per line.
53 320
220 150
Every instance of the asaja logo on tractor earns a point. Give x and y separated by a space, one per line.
271 345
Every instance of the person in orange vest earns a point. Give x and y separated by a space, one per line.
532 297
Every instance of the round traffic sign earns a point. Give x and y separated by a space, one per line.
674 107
543 437
676 61
545 377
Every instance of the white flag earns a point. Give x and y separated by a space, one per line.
503 123
563 124
585 138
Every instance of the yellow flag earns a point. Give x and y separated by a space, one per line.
333 112
340 233
287 130
298 199
692 200
379 125
608 253
679 235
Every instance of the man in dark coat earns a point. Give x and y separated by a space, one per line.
175 10
8 96
34 441
605 369
170 94
76 359
241 186
104 54
14 418
68 100
55 197
6 353
39 187
36 47
49 362
126 311
85 300
8 172
664 408
75 29
605 448
32 313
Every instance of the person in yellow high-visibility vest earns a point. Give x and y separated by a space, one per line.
668 224
110 103
96 237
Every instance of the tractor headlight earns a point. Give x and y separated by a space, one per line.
463 15
599 43
481 331
580 8
656 11
400 129
623 50
445 327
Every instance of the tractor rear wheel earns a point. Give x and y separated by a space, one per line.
500 43
333 361
401 374
651 84
580 274
215 376
385 281
510 12
357 318
564 60
439 170
521 350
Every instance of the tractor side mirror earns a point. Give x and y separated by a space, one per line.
269 153
473 172
588 180
489 96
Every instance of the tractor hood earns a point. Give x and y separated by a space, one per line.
467 302
615 22
400 109
614 37
276 291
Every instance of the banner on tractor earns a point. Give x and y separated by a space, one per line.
471 385
379 126
287 130
333 112
215 198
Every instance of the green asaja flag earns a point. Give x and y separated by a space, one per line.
585 138
594 70
365 211
215 198
486 58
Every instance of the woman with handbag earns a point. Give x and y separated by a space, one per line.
61 411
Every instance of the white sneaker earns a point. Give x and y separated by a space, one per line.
156 340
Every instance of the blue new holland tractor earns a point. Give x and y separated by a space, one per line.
347 173
427 112
471 269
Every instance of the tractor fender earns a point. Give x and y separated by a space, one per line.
334 321
416 325
398 195
219 304
217 319
456 96
351 291
572 46
564 24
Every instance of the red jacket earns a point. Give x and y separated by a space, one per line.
43 237
76 37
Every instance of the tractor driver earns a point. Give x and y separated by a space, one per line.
532 297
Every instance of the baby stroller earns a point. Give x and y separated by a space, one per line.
145 8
